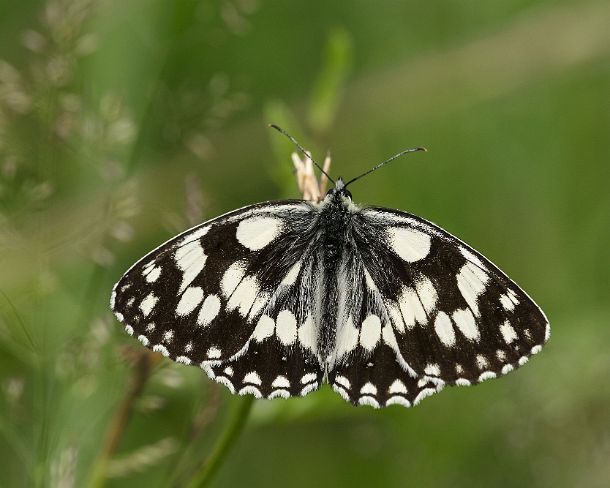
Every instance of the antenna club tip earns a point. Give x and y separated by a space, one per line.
423 149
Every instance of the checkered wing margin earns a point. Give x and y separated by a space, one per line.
230 295
422 310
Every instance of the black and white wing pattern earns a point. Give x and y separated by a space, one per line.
422 310
273 299
231 296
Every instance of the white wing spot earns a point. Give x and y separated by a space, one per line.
471 257
369 281
264 328
253 378
308 388
280 382
286 327
507 303
423 394
367 400
292 275
432 370
387 333
501 355
148 304
259 304
144 340
168 335
194 235
347 338
257 232
279 394
227 382
370 333
481 361
398 400
162 349
409 244
231 278
209 310
153 275
308 378
513 296
411 308
368 389
343 381
397 387
244 295
465 322
536 349
396 316
444 329
191 298
308 334
507 368
129 329
462 382
427 294
190 258
508 333
471 282
214 353
487 375
251 390
338 389
228 371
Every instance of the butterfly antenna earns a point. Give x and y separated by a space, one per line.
396 156
300 148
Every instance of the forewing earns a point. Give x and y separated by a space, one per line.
456 318
199 297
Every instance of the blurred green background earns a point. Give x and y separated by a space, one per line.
122 123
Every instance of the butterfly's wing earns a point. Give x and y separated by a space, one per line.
431 306
231 296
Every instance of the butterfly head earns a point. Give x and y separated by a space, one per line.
339 191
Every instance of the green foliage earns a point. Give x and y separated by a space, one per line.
122 123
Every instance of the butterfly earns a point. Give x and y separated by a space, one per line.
277 298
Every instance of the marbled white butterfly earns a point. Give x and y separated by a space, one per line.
276 298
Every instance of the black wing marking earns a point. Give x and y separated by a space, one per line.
199 297
379 380
269 369
456 318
